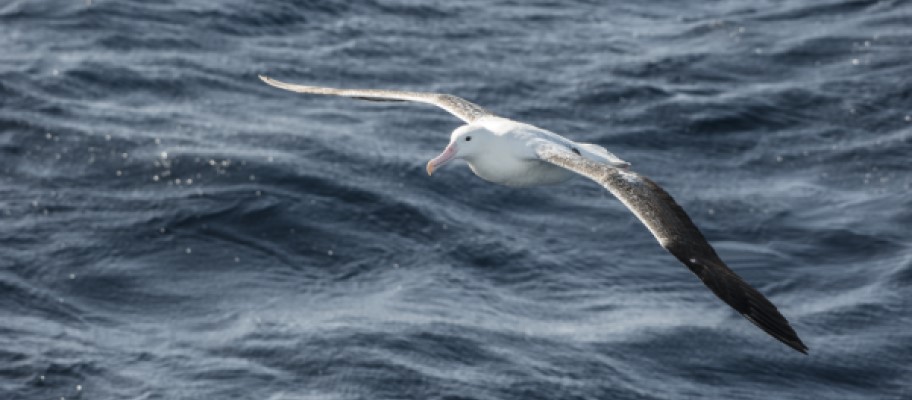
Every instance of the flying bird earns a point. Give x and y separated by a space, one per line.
512 153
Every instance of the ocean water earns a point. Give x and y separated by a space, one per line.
172 228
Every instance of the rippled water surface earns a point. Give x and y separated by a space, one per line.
171 228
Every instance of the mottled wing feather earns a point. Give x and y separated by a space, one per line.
674 230
464 109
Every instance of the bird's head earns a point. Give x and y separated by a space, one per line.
466 142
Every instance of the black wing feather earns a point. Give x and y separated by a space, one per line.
675 231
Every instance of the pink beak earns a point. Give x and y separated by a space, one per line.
448 154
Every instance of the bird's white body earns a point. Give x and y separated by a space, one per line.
509 154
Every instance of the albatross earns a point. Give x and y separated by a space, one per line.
511 153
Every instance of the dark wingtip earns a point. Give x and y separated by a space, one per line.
798 345
782 332
759 310
741 296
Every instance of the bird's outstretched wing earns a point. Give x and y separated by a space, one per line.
674 230
464 109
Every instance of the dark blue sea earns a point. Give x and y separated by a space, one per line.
172 228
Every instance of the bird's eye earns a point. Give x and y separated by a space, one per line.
468 138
